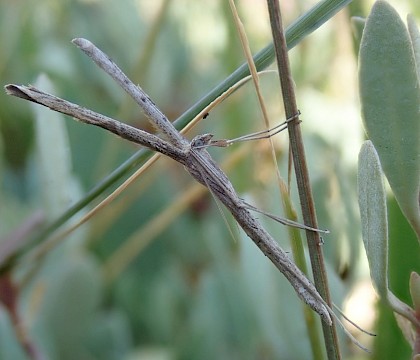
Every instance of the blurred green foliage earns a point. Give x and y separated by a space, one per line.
192 292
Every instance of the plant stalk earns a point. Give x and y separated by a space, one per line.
301 171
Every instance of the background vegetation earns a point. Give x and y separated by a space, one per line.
189 291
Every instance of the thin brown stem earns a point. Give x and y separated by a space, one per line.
301 171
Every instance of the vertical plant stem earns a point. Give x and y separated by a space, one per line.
301 171
298 252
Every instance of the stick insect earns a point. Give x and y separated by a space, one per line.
195 159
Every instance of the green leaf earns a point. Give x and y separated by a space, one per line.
59 187
390 98
374 220
373 214
415 39
62 303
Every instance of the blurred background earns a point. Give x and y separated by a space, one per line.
156 274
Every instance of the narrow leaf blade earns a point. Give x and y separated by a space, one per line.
59 187
373 214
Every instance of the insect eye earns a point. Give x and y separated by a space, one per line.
201 140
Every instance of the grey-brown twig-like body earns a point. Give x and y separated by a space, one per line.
192 155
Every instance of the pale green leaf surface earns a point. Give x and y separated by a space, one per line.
59 188
414 32
390 98
70 300
373 215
